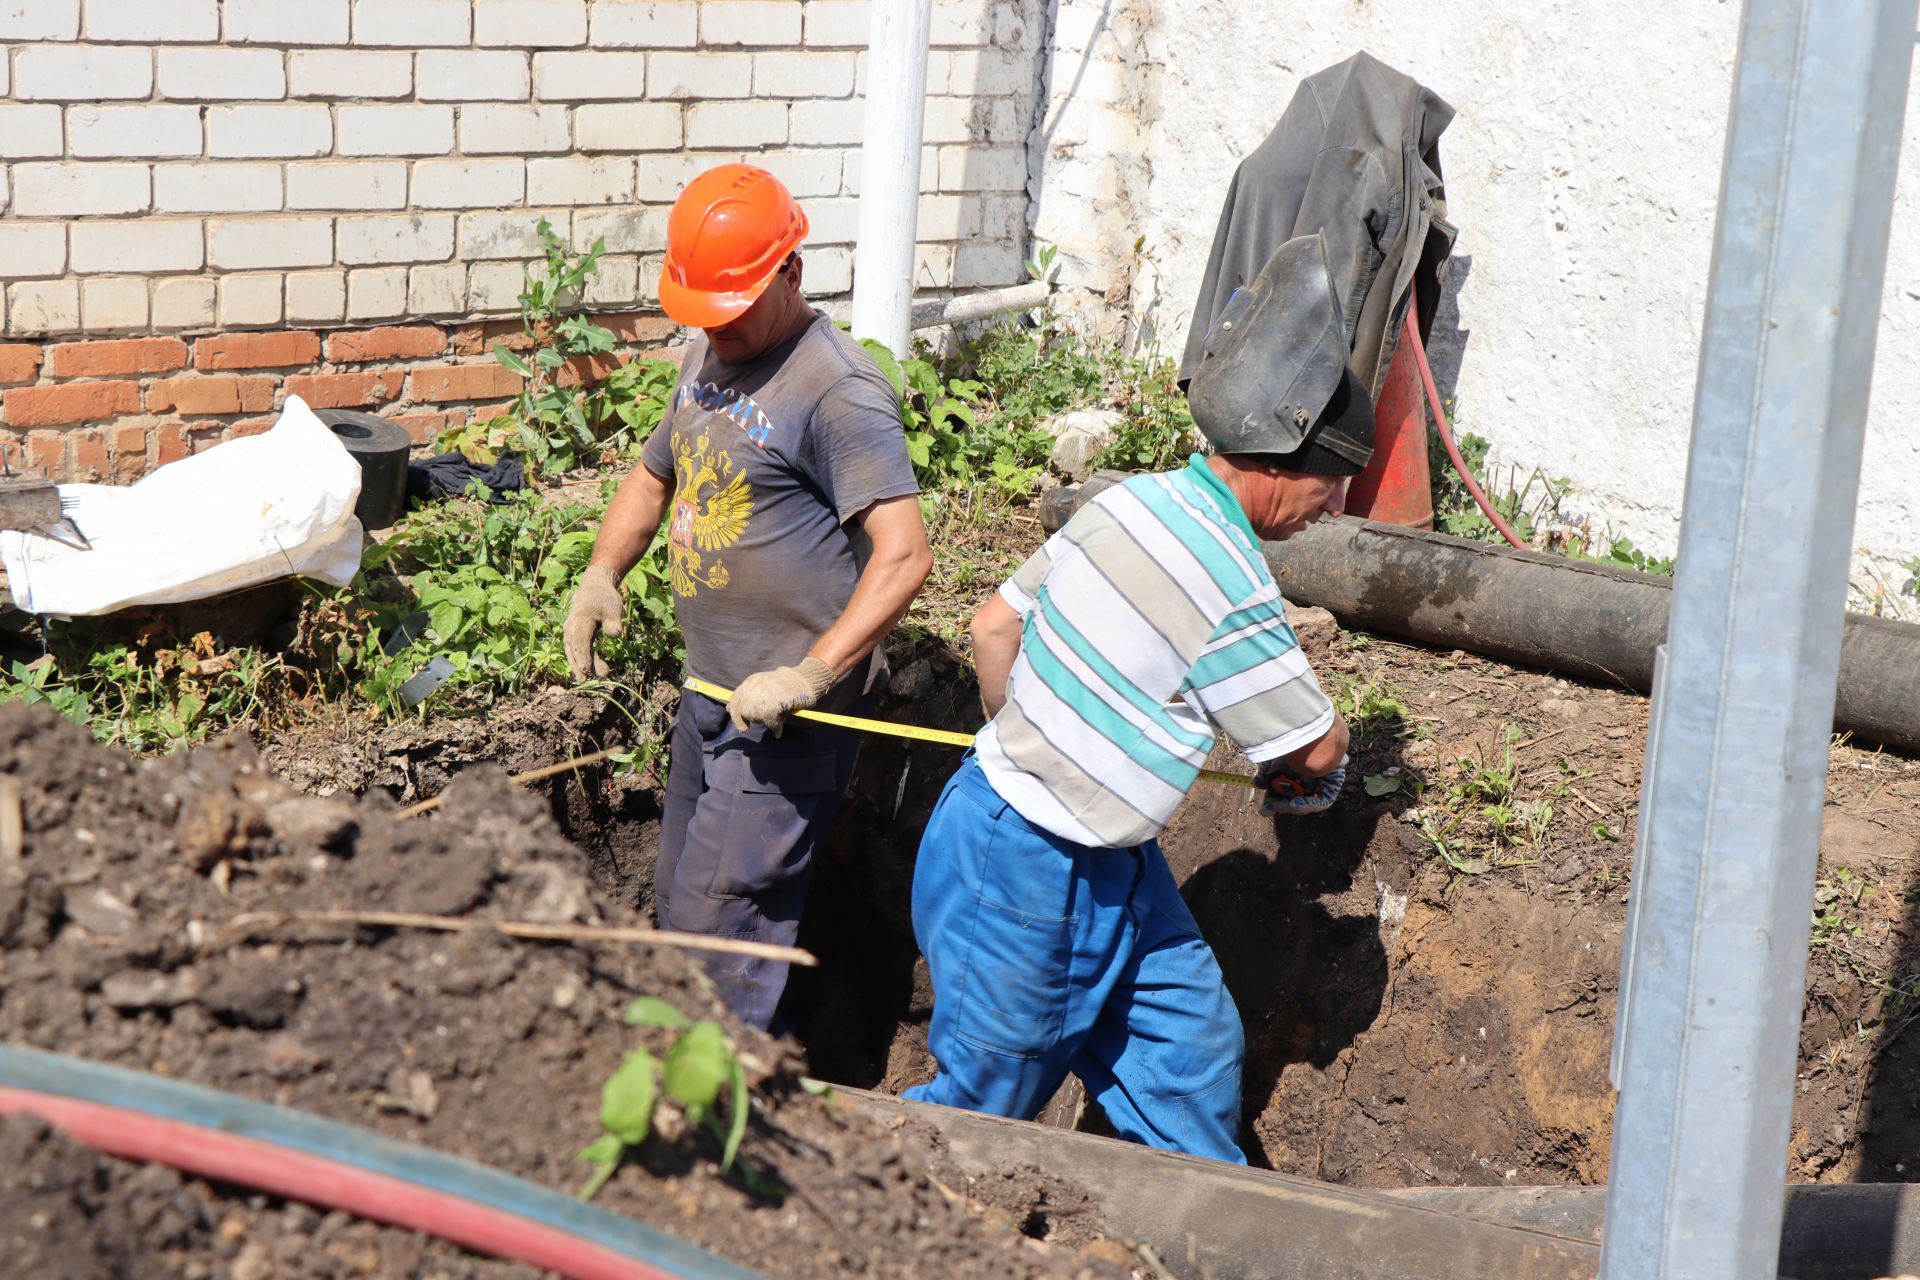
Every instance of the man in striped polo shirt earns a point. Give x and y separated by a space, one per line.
1051 923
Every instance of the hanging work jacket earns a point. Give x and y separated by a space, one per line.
1356 156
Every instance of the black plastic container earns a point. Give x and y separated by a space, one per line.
381 449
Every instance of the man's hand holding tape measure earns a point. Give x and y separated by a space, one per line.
1290 793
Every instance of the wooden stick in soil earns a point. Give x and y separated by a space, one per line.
13 832
531 775
607 934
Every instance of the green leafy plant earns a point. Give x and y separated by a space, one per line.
559 419
697 1066
148 696
495 582
39 681
1532 506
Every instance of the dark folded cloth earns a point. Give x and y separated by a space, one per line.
447 475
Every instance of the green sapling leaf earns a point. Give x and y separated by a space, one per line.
696 1067
626 1100
737 1127
652 1011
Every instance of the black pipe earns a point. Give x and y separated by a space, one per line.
1569 617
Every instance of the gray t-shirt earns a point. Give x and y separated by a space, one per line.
770 462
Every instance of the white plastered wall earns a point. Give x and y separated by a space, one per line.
1582 170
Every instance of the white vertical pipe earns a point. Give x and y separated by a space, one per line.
890 170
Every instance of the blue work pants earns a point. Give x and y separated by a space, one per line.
745 815
1049 957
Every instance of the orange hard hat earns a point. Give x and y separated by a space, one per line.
727 235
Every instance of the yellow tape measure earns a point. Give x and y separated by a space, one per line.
944 736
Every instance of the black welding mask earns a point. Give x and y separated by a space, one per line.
1274 364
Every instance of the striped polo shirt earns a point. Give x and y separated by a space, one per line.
1148 624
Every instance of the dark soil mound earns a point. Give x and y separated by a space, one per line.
116 944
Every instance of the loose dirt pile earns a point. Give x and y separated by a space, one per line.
116 945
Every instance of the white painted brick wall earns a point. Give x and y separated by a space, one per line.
580 180
217 188
583 77
750 22
257 162
641 230
494 286
287 22
803 75
145 130
183 303
512 234
439 290
39 19
30 132
262 132
313 297
830 123
395 131
412 24
513 130
629 126
389 238
155 21
838 24
467 184
343 73
44 306
464 75
249 244
251 301
736 124
540 24
645 24
82 73
700 75
222 75
32 250
76 190
113 305
353 185
177 244
377 294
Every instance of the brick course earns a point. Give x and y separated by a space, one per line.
113 359
62 405
256 350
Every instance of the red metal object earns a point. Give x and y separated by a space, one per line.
1396 487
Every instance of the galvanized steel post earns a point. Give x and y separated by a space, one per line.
1723 882
890 170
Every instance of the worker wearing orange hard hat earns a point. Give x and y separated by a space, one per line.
794 543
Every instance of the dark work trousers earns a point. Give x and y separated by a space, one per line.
745 815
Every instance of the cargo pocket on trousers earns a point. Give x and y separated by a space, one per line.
1020 958
773 806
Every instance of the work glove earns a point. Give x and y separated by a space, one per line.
765 696
1289 793
597 606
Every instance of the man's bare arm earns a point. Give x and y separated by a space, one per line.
626 531
996 643
1321 756
898 565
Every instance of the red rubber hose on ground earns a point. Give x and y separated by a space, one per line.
1446 435
297 1175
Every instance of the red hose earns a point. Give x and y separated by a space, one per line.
1446 435
297 1175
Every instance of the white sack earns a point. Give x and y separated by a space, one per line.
242 513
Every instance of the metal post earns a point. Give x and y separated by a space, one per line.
890 170
1724 880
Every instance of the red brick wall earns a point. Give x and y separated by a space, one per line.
114 409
